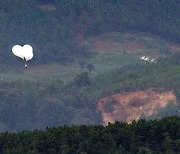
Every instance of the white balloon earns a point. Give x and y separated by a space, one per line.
17 51
25 52
28 52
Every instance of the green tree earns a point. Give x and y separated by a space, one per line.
82 79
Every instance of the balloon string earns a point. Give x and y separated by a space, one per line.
25 64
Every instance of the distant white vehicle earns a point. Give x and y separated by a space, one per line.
25 52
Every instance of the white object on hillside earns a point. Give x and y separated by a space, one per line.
142 57
147 59
152 60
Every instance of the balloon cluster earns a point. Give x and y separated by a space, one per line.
25 52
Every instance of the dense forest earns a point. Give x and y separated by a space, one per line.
154 136
52 27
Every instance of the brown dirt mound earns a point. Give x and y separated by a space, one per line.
131 106
104 46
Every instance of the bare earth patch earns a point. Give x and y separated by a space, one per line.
105 46
174 48
128 43
131 106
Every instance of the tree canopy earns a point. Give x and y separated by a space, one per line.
154 136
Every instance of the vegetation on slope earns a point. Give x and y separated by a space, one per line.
30 104
37 104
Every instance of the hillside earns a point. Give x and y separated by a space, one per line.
52 27
27 104
84 52
109 51
65 35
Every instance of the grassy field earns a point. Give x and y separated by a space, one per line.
112 51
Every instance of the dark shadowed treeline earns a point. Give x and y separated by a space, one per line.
29 105
53 27
154 136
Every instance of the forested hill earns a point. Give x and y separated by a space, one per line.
155 136
29 105
67 34
52 27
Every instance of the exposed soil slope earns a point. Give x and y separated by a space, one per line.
130 43
131 106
